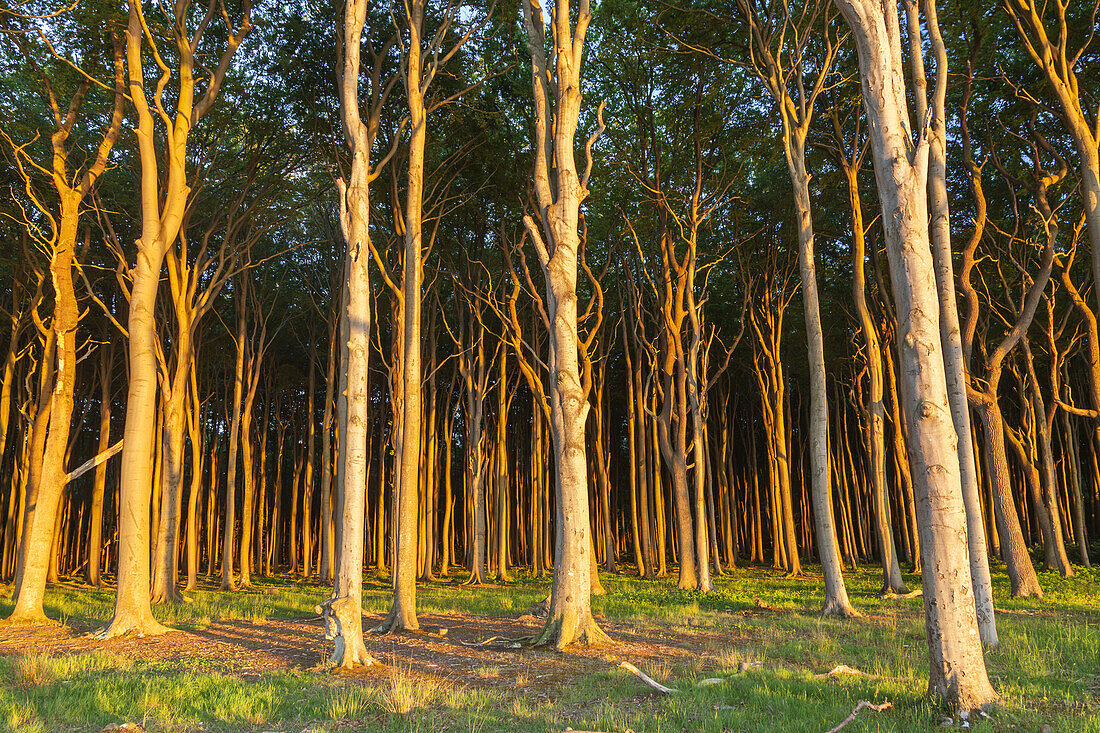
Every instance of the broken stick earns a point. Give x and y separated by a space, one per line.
855 711
647 679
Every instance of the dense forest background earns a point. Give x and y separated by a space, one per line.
693 329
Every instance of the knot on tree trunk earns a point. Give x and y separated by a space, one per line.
338 614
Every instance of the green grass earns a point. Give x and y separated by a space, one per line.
1047 668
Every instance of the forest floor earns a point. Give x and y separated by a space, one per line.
254 660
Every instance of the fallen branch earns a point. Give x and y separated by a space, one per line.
843 670
890 595
855 711
500 641
647 679
91 463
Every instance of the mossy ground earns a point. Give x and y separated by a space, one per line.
251 661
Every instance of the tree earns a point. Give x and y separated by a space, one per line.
555 235
957 672
161 215
72 188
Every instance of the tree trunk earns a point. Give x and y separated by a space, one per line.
99 480
39 526
557 241
402 615
229 528
875 414
836 595
957 668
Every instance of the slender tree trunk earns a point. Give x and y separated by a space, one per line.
99 480
195 431
836 595
557 241
402 615
40 523
950 333
875 414
229 528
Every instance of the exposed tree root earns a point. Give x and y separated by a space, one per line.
172 596
397 620
843 670
566 628
647 679
501 641
890 594
138 624
24 617
835 609
541 609
708 682
855 711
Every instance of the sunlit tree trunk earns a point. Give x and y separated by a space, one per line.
556 238
957 667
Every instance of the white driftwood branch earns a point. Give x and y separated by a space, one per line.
647 679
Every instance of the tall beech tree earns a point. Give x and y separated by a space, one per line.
555 79
162 211
71 186
957 673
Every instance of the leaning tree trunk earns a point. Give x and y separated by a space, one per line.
957 672
41 516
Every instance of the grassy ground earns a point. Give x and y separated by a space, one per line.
1047 668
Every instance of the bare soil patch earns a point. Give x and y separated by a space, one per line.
450 649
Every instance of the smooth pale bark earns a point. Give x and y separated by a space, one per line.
344 617
51 449
306 524
672 420
1074 470
472 366
229 528
957 667
161 214
247 463
501 479
195 435
8 378
1058 63
162 211
41 512
174 393
1044 421
696 394
402 614
875 413
446 533
776 66
328 537
950 332
836 594
557 239
986 401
